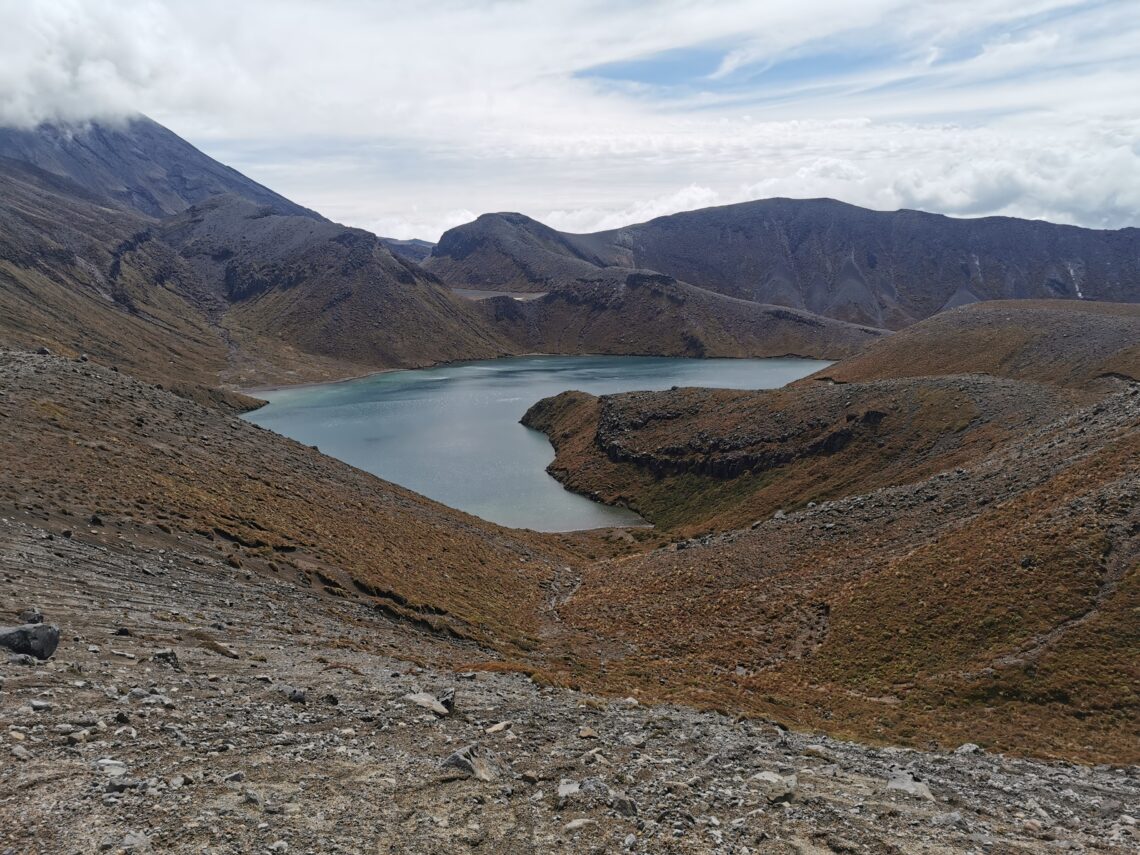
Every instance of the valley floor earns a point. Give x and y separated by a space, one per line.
119 744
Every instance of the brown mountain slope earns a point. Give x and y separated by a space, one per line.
308 299
883 269
936 559
688 459
692 460
621 311
78 275
108 457
1067 343
994 604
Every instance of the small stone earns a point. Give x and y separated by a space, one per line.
567 788
579 824
21 753
135 840
586 732
776 788
967 748
428 702
447 699
624 805
474 760
903 782
166 657
111 768
293 694
278 846
40 706
953 819
31 615
498 728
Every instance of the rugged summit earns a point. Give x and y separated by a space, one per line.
883 269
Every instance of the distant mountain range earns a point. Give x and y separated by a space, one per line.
883 269
128 243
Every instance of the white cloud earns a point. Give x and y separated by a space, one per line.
402 119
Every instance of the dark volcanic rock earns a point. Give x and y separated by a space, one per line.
33 639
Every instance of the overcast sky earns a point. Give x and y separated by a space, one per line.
409 118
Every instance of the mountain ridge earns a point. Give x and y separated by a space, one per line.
879 268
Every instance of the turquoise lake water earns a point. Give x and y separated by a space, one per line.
452 433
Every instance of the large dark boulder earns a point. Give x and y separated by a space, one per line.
34 639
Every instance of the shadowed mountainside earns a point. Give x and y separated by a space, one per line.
882 269
298 288
621 311
127 243
80 275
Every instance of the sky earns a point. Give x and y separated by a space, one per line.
410 118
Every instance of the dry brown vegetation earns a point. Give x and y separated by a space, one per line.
956 558
970 571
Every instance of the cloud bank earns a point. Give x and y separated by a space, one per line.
590 115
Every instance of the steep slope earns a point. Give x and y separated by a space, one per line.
105 456
138 164
310 299
993 604
622 311
79 275
884 269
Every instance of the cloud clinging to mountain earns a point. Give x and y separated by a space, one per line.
581 113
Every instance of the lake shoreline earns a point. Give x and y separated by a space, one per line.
453 432
279 387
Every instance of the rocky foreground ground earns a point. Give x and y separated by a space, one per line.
195 707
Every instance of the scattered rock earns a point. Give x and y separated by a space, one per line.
31 615
498 727
587 733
